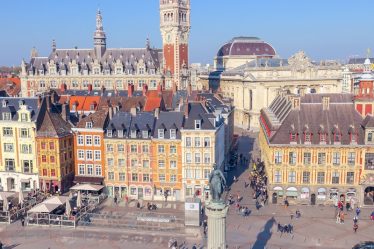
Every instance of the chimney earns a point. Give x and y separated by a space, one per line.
39 101
180 104
157 112
133 111
89 88
296 103
189 89
302 92
325 103
65 112
186 109
130 90
145 89
110 113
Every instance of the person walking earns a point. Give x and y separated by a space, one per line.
355 219
342 217
358 211
115 200
355 227
23 221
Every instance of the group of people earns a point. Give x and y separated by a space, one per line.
258 182
287 228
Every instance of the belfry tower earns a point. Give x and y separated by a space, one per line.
175 31
99 37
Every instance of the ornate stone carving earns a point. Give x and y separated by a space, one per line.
299 62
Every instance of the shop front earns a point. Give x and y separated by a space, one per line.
321 194
291 193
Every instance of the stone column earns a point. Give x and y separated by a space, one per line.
216 212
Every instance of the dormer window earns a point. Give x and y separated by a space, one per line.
7 116
322 138
92 107
120 133
308 137
74 70
96 71
74 107
141 70
24 117
133 134
337 137
293 137
161 133
89 125
5 103
197 124
145 134
353 138
118 70
370 137
173 134
109 133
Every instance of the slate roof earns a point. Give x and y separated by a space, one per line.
53 125
12 105
168 121
368 122
196 111
99 119
281 119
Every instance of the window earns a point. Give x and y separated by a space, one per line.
89 155
306 177
173 164
322 138
277 176
81 154
161 149
206 141
337 137
188 142
26 148
292 177
206 158
27 166
188 158
160 133
24 132
7 132
133 191
122 177
88 140
321 158
133 148
80 140
197 142
197 124
335 178
109 148
7 116
307 158
82 169
24 117
52 159
293 137
120 133
111 176
188 173
145 134
45 172
134 177
321 177
9 164
336 158
351 158
173 134
278 157
97 140
307 137
43 145
97 155
120 148
161 163
51 145
292 158
145 163
161 177
153 84
197 158
89 125
44 158
89 169
134 163
141 71
370 137
206 173
110 162
121 162
350 177
146 178
145 148
197 174
98 170
109 133
8 147
173 178
173 149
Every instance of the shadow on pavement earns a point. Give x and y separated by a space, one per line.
264 236
11 246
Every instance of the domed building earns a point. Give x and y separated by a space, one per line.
241 50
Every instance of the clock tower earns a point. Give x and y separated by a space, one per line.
175 31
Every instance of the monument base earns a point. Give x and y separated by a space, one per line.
216 213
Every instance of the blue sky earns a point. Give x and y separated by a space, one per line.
325 29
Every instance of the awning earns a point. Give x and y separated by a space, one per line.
87 187
89 180
44 208
291 193
25 180
60 200
304 190
351 190
292 189
321 190
334 190
5 195
277 188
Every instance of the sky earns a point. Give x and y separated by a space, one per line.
333 29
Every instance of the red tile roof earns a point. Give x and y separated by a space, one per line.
83 103
12 86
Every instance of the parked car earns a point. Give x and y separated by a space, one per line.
364 245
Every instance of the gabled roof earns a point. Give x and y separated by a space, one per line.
168 121
99 119
53 125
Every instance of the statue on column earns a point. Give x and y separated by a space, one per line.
217 184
